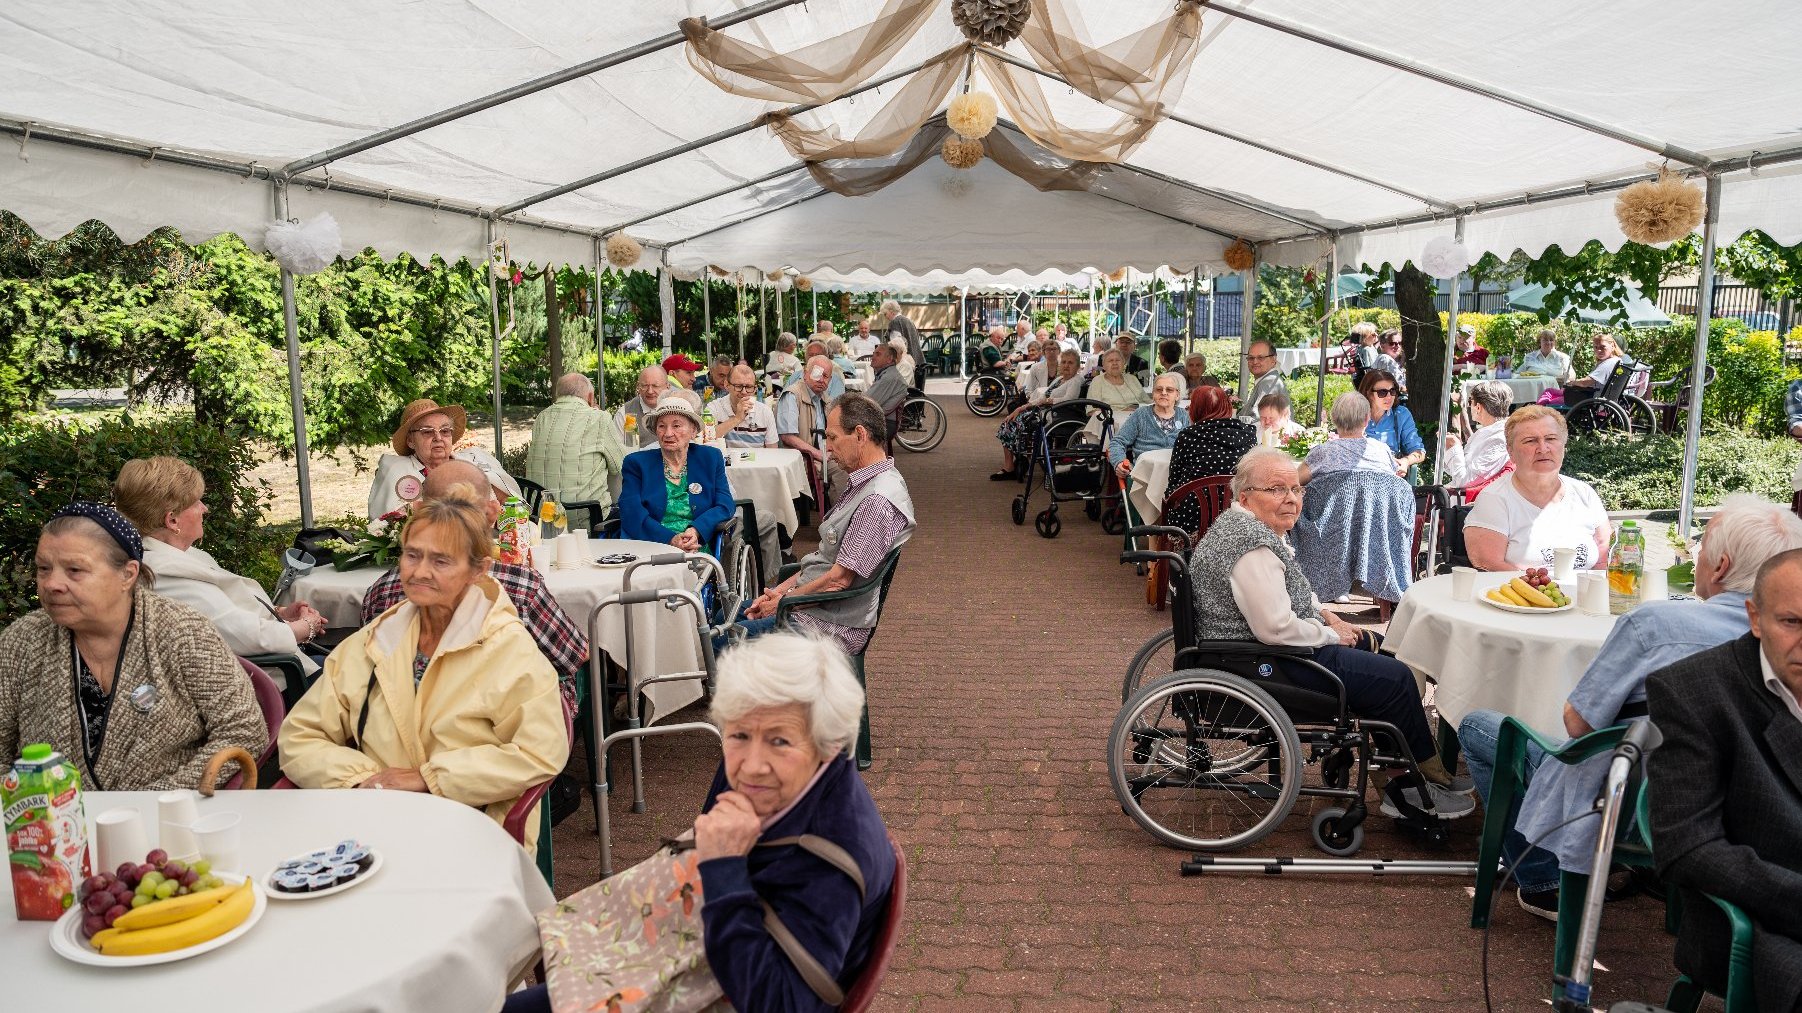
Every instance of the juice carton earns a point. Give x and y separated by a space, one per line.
46 832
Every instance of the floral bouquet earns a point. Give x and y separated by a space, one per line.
1298 445
1681 577
379 545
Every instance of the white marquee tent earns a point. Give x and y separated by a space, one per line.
1321 131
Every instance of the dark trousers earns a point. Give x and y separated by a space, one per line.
1376 687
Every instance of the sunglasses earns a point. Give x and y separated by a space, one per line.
443 434
1383 392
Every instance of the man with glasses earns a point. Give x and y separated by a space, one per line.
1260 360
739 418
1248 587
652 382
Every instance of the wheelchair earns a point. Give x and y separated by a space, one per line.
1207 754
919 424
993 391
1075 467
1617 406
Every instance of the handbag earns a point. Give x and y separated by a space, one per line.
634 943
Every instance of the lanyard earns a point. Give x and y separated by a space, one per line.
90 750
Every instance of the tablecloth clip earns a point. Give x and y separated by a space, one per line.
25 142
1751 166
250 172
154 150
387 196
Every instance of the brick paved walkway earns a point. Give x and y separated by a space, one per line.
994 679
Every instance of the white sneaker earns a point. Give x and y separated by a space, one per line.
1430 798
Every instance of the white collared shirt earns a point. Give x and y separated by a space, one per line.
1776 686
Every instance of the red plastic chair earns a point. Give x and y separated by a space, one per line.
269 701
515 823
861 994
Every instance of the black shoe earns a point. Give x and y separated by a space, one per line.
1005 476
1543 904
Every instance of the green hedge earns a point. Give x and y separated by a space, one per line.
1646 474
46 463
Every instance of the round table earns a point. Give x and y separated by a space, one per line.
1291 359
1484 658
665 643
1526 388
771 478
1149 480
445 925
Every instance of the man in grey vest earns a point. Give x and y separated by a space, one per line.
874 517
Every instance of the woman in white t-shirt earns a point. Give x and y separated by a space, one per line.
1523 516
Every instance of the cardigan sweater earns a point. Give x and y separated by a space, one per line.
643 495
203 701
817 902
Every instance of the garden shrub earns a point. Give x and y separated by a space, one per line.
1646 474
45 463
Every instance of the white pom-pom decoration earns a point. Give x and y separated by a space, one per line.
972 115
623 251
1444 257
304 247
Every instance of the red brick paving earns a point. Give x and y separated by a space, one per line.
994 679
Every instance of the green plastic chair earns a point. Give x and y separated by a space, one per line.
884 575
1686 994
1498 817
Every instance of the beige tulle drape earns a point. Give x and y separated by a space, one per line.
894 124
1043 170
818 72
1132 73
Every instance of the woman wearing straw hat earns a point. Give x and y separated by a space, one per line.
676 492
427 437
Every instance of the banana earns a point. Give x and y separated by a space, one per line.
210 924
1532 595
175 909
1510 597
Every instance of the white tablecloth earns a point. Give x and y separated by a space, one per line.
771 480
444 926
665 642
1526 388
1486 659
1291 359
1150 477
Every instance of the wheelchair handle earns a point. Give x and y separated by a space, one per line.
1175 559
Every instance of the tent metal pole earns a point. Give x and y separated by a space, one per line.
963 332
538 84
702 142
724 191
1213 294
763 331
666 307
600 328
1326 326
1445 386
1189 312
494 324
1489 91
1247 316
1698 367
738 315
296 402
816 309
707 314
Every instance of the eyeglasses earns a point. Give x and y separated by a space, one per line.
648 389
1280 491
1255 358
1383 392
745 388
443 434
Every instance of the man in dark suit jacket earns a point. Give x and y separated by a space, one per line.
1727 789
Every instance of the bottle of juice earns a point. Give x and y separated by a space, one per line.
707 425
46 832
1627 562
514 521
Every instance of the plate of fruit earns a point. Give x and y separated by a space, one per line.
1532 591
156 912
322 873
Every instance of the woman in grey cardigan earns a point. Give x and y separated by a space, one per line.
137 691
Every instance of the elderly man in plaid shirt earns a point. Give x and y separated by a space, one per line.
874 517
563 643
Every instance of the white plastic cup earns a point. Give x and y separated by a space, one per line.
570 550
1592 593
1564 563
1654 585
220 840
119 838
1464 583
175 812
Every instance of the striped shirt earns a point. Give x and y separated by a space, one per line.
874 529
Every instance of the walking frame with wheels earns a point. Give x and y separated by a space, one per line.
1074 468
671 599
1208 757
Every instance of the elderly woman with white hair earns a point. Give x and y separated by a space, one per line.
1349 449
1484 459
782 362
1248 586
788 834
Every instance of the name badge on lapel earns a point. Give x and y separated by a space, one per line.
694 488
144 698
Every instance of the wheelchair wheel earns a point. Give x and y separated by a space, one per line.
1047 523
1019 509
1156 659
1113 520
985 395
1333 836
1598 416
1640 416
1205 761
923 425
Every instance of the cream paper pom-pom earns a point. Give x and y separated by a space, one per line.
804 283
990 22
972 115
623 251
961 152
1659 210
1239 256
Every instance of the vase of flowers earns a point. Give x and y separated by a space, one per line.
379 545
1298 445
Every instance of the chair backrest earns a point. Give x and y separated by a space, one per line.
1212 495
885 573
269 701
863 991
515 821
531 493
1628 377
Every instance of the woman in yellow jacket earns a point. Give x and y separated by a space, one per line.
444 693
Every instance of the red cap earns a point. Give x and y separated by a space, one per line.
681 362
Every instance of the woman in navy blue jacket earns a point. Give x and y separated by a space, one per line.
675 493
